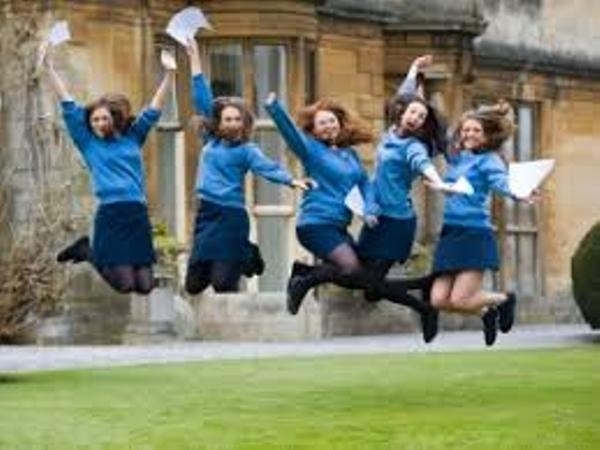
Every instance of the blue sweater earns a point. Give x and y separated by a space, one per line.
224 164
399 162
115 163
486 172
336 170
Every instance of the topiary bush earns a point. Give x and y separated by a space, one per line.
585 274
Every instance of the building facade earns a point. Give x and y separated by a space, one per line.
540 55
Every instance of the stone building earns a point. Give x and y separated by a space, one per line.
541 55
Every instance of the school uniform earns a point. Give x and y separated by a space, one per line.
222 225
399 161
323 219
122 230
467 240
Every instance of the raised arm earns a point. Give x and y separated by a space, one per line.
169 65
201 93
409 86
56 81
496 175
267 168
294 138
73 113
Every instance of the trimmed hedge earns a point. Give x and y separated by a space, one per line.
585 274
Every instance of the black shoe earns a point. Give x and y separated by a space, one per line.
297 289
429 324
255 265
490 326
78 251
299 268
372 295
507 312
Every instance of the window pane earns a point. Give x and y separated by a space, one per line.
269 75
226 70
311 77
166 178
525 133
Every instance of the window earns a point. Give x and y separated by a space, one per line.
226 70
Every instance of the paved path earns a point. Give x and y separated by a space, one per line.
31 358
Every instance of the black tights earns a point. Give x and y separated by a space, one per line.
224 276
344 268
127 279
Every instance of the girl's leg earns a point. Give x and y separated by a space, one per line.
120 278
468 297
225 275
197 277
440 293
144 280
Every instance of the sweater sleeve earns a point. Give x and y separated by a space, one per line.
496 175
295 139
367 190
76 122
409 84
417 157
267 168
144 123
202 96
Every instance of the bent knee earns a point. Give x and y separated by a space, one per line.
440 301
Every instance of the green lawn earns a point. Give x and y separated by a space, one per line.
488 400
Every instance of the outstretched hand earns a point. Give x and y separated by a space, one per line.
191 47
271 98
304 184
533 198
439 186
167 59
422 61
371 220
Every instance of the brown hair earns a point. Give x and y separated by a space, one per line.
433 131
353 131
119 107
496 121
211 124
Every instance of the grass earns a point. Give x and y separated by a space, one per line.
490 400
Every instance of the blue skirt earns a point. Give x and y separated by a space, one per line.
220 233
465 248
122 236
391 239
321 240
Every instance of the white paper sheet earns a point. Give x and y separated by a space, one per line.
59 33
461 186
186 23
354 202
524 177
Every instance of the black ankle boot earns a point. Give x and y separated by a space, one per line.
300 268
506 311
490 326
297 288
429 324
77 252
255 264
